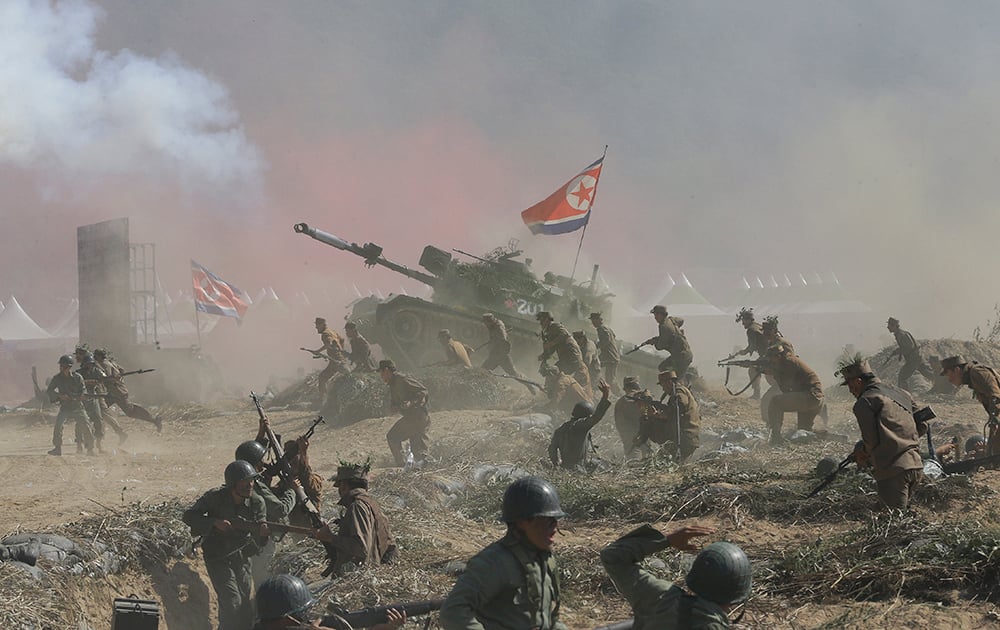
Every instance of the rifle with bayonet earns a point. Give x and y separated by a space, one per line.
285 472
372 616
531 385
829 478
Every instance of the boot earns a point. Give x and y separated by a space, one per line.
57 450
26 553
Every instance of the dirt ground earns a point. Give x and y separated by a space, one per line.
442 514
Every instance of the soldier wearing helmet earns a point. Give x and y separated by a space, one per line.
755 344
571 446
889 432
278 504
68 388
676 421
563 391
226 547
284 601
456 353
514 582
118 393
719 579
670 337
798 389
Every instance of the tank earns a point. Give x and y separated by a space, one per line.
498 282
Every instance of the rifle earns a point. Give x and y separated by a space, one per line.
625 624
729 363
248 526
368 617
829 478
285 472
656 405
969 465
531 385
644 343
124 374
273 469
316 355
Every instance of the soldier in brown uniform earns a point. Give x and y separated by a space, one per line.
909 351
456 353
628 415
800 391
671 338
755 344
985 385
588 352
607 351
562 389
888 431
661 423
556 339
333 345
409 397
361 351
363 536
95 378
499 346
118 393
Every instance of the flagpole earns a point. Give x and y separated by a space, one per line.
197 323
584 232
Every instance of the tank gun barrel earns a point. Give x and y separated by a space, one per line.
371 252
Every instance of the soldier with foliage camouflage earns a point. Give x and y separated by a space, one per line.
363 534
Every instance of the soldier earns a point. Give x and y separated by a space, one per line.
514 582
499 346
333 345
588 352
607 351
889 433
361 350
676 421
95 377
628 413
719 579
456 353
284 601
755 344
409 397
68 388
772 335
562 390
985 385
800 391
363 536
571 446
909 351
227 549
91 378
556 339
671 338
278 504
118 393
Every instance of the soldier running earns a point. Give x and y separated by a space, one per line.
408 396
607 351
670 337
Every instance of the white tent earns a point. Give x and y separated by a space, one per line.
684 300
16 325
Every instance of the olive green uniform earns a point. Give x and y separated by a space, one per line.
556 339
363 536
227 555
91 377
278 504
118 393
361 354
509 585
72 387
610 355
661 425
912 362
628 415
409 396
499 349
885 417
657 604
571 446
671 338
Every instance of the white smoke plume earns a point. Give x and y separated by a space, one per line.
78 113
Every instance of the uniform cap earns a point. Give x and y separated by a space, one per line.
444 332
631 384
659 308
670 374
66 359
529 497
721 574
543 315
745 313
282 596
596 316
386 364
320 320
950 362
770 323
892 320
857 369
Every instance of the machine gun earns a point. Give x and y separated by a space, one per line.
372 616
285 472
829 478
754 364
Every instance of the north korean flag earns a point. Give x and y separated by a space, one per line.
214 295
568 208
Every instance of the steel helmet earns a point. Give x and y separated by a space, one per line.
973 441
582 410
283 595
66 360
721 574
87 359
239 470
251 451
529 497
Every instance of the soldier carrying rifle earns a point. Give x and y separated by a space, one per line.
68 388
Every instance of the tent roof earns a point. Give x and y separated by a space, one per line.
15 324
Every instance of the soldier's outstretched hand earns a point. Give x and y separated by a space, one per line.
681 538
604 387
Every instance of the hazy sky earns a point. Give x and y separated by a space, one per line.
762 137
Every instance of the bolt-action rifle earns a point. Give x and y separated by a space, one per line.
644 343
532 386
274 468
829 478
285 472
368 617
316 354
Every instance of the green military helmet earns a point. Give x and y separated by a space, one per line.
88 359
251 451
529 497
100 354
238 471
582 409
973 442
721 574
282 596
66 359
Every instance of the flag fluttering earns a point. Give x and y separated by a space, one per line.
568 208
214 295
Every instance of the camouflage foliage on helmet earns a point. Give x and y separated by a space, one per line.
745 312
771 322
